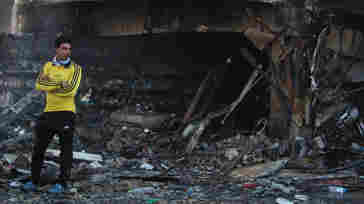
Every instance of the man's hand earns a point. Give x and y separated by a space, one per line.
44 77
65 85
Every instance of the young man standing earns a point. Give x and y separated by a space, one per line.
60 80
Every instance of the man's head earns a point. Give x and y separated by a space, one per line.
63 47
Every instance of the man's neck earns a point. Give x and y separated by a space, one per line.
59 62
60 59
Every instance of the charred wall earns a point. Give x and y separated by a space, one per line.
172 64
5 15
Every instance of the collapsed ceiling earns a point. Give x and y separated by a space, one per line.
349 4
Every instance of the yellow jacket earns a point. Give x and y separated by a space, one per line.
50 80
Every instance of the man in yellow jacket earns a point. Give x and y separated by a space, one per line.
60 80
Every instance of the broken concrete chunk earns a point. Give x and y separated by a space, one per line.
78 155
231 153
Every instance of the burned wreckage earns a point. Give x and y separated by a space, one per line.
290 123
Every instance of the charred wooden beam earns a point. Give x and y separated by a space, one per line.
197 98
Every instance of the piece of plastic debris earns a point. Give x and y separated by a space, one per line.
285 189
146 130
337 189
335 182
52 163
86 99
142 190
189 192
301 197
204 146
17 129
164 166
23 171
21 132
95 165
283 201
360 127
319 142
152 200
78 155
10 158
189 129
56 188
97 178
147 166
139 108
73 190
250 185
15 184
357 147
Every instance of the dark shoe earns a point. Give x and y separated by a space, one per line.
57 188
29 186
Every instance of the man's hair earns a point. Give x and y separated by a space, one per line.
62 39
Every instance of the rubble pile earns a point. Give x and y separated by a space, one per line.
141 172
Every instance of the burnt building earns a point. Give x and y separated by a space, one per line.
161 44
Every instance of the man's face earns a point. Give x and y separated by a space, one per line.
63 51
